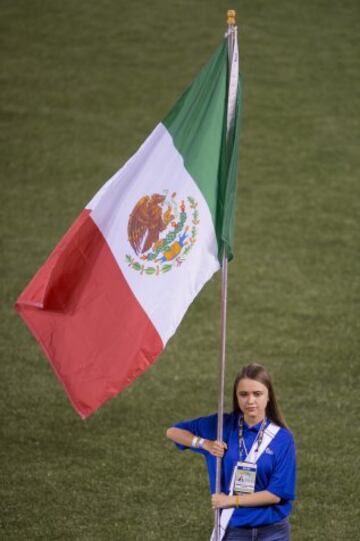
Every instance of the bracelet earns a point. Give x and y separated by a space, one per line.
194 442
201 443
237 501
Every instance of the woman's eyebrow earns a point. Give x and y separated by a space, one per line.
247 392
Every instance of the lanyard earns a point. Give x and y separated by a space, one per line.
242 446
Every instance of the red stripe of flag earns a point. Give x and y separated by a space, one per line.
92 329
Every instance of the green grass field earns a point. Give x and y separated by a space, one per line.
82 84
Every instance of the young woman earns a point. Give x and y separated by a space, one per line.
259 462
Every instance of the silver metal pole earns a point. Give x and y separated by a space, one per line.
221 380
224 281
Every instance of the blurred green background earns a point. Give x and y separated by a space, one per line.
82 84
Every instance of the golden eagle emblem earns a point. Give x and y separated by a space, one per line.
147 221
161 230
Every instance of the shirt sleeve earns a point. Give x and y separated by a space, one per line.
283 479
203 427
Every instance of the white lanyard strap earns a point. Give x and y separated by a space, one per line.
256 444
270 432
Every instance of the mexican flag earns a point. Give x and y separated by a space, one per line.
116 287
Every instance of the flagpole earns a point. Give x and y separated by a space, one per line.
224 280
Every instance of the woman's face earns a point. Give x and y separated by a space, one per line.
252 398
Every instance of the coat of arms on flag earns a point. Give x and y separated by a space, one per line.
161 238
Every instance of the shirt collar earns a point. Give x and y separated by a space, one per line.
254 428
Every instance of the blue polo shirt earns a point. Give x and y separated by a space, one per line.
276 467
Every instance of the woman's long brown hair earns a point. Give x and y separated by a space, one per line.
259 373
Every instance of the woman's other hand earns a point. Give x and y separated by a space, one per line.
215 448
221 500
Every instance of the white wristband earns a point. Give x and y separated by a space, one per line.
194 442
201 443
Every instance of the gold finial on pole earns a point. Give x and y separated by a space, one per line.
231 17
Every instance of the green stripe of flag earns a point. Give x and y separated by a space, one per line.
197 124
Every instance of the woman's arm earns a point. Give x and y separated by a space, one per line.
179 435
263 497
184 437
